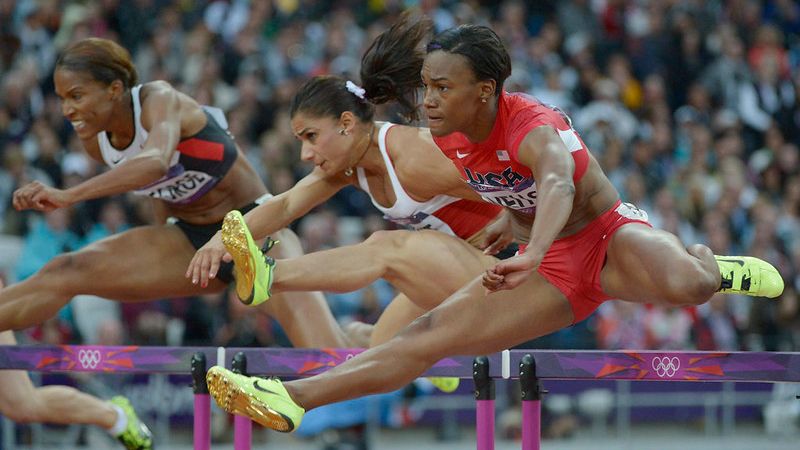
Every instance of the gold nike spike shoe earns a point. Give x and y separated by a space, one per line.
251 267
264 400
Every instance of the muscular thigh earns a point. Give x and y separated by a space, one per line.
428 266
636 261
470 322
144 263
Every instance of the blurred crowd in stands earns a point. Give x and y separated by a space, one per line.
691 106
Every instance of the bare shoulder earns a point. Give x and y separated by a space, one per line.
155 94
153 90
161 101
404 141
422 168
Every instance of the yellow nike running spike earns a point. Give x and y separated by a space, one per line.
136 435
251 268
264 400
749 276
445 384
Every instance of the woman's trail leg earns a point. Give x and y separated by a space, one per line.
406 259
402 258
646 265
142 264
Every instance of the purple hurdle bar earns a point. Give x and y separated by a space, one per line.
769 367
202 403
484 403
531 404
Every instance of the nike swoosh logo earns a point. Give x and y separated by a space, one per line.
272 415
258 387
735 261
460 155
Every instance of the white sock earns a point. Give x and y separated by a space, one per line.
121 423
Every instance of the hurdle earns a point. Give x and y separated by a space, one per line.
535 366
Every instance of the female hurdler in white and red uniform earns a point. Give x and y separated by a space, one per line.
333 119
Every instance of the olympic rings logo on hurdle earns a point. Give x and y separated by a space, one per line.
666 366
89 359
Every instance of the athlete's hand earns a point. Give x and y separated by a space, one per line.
206 261
40 197
510 273
498 234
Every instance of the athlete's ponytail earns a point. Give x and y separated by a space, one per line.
390 71
390 68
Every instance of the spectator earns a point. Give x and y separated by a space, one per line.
771 98
603 113
728 71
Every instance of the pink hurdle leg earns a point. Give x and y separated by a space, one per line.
242 432
202 404
484 408
531 404
242 426
202 420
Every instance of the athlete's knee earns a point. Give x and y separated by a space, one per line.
694 283
73 264
703 286
57 265
388 245
384 238
65 273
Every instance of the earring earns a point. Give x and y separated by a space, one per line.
483 99
343 132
